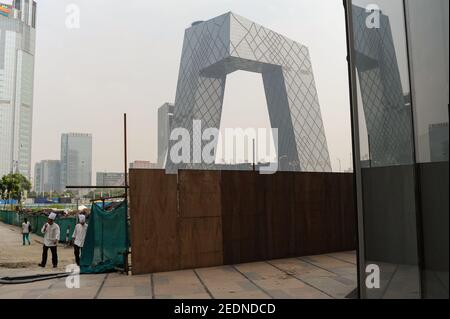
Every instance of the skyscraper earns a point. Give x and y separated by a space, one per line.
76 159
165 114
215 48
47 177
17 49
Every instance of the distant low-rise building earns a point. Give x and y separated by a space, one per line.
110 179
143 165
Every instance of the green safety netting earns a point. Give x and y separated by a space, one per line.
37 221
106 244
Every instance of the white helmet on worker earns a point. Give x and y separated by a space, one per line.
81 218
52 216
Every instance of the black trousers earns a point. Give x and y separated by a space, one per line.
76 252
54 255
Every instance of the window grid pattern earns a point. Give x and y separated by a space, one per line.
227 43
17 47
386 107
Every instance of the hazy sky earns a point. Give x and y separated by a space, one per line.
125 58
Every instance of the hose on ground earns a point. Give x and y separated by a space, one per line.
32 278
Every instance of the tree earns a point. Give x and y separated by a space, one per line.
13 186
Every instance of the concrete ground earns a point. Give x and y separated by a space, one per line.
19 260
325 276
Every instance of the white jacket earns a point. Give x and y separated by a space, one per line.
51 234
79 234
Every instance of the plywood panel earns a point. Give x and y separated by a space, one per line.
209 218
200 220
281 211
200 242
199 193
244 225
308 201
153 212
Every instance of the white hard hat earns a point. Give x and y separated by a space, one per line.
52 216
81 218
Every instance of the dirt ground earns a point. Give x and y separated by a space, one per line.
19 260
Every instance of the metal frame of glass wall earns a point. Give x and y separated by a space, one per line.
398 71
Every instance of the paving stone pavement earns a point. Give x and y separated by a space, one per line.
313 277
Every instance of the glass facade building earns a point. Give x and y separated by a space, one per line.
398 65
215 48
76 159
165 115
47 176
17 51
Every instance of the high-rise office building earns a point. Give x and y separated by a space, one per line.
47 176
17 50
215 48
110 179
165 114
76 159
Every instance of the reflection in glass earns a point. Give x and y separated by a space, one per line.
401 84
386 134
428 30
387 109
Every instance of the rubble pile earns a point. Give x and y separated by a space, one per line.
59 212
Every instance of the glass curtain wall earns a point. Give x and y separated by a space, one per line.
428 38
399 81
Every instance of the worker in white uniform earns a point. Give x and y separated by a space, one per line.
51 237
26 229
78 237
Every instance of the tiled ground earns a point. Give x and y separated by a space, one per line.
325 276
16 259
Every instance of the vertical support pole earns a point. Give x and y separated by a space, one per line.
254 164
357 187
103 238
126 189
125 155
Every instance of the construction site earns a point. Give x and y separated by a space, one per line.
296 151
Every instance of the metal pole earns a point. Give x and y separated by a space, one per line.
357 187
254 164
126 188
103 239
125 154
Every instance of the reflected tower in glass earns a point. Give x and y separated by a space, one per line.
399 61
386 107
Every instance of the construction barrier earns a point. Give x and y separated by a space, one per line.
37 221
106 244
209 218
